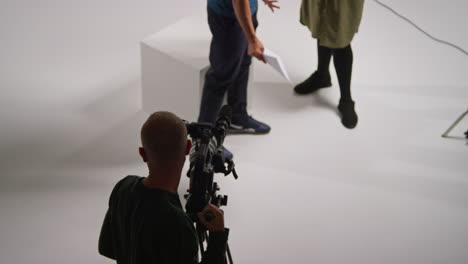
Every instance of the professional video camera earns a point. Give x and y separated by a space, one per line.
207 158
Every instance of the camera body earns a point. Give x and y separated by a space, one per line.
206 159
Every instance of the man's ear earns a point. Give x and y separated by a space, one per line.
188 147
143 154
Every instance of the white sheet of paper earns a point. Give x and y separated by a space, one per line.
276 62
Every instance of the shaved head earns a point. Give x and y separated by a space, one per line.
164 137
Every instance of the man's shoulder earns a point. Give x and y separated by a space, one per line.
125 184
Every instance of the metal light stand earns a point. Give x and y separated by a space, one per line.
446 134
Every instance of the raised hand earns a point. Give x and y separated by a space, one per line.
271 4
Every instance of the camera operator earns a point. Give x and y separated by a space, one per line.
145 222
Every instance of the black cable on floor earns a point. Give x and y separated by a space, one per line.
422 30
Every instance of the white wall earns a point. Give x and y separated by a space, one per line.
69 71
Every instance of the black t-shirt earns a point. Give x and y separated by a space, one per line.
144 225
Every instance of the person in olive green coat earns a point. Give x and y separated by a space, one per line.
333 23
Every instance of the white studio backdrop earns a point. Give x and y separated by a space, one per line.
70 112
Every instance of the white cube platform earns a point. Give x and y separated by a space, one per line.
173 65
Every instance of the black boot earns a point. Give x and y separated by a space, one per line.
313 83
349 117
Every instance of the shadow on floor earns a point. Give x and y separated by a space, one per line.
281 96
103 134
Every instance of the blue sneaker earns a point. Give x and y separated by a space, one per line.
249 126
227 154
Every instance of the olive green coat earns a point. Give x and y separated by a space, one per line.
333 22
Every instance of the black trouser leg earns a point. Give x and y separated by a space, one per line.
237 94
324 58
211 101
343 60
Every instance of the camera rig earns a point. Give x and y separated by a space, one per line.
207 158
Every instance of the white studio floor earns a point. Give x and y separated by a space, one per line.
390 191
